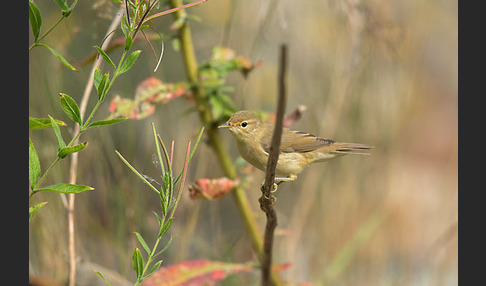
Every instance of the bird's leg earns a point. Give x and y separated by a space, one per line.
280 180
277 181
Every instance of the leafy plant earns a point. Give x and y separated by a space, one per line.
35 18
144 268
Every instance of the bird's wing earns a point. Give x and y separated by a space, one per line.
299 141
296 141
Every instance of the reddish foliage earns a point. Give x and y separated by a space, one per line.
195 273
212 188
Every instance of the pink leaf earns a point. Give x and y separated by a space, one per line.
194 273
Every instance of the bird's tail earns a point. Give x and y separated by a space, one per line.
351 148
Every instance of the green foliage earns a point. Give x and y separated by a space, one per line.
35 19
167 204
69 106
41 123
34 165
33 210
64 188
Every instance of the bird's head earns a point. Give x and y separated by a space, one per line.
244 125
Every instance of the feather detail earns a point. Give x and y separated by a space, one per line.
351 148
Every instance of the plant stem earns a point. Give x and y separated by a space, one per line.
74 157
216 143
266 202
46 33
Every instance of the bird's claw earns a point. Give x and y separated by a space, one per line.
272 199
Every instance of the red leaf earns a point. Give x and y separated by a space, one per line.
211 189
195 272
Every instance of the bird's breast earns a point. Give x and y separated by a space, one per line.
255 156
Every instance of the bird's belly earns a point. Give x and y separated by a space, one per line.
290 164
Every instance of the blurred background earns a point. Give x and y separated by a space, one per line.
384 73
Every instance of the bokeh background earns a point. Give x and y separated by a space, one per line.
383 73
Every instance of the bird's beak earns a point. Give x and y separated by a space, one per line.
225 125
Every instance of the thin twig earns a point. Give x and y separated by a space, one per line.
74 158
266 199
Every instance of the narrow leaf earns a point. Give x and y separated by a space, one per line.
158 218
102 88
154 268
101 275
165 247
57 131
128 42
34 165
137 262
129 62
97 78
40 123
142 242
196 144
35 19
106 122
62 4
105 56
166 227
64 188
58 55
71 108
33 210
71 149
137 173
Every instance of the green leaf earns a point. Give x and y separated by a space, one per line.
101 275
67 12
58 55
62 4
105 56
166 227
142 242
35 19
65 188
128 42
137 262
137 173
71 108
71 149
129 62
97 78
34 165
154 268
165 247
106 122
158 218
103 87
57 132
40 123
33 210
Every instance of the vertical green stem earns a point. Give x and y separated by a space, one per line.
204 111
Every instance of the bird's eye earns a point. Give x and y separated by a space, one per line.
244 124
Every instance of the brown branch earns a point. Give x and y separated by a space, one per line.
267 201
69 204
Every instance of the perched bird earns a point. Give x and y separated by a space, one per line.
297 149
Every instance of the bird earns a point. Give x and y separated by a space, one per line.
298 149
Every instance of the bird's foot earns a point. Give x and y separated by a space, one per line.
272 199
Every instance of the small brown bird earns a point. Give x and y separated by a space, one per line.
297 149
